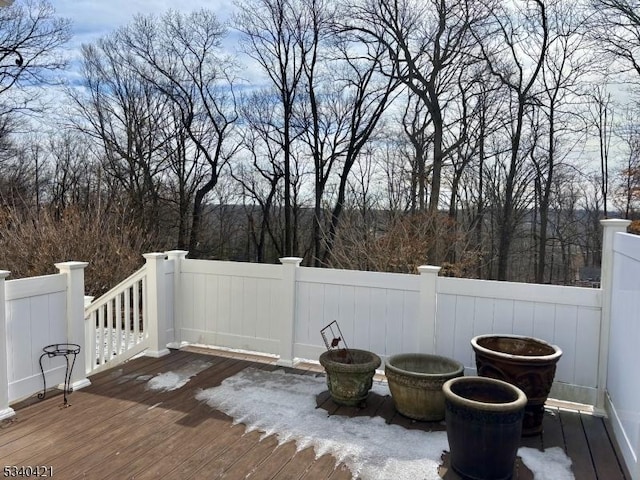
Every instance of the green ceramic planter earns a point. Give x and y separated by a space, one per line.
349 376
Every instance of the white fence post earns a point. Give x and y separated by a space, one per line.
176 256
155 305
288 320
428 308
5 410
610 228
75 319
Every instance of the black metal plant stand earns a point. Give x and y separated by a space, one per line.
60 350
333 331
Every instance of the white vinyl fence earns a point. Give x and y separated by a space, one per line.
376 311
565 316
280 310
236 305
36 312
623 381
35 315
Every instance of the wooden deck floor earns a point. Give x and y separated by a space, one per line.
118 429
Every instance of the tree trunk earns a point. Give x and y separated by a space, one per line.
506 223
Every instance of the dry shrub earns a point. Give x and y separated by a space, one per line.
634 227
466 266
403 243
30 245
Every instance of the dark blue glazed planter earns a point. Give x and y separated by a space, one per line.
484 426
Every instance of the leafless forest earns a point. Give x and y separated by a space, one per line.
487 137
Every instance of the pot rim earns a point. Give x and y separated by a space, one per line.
373 363
519 403
457 370
557 352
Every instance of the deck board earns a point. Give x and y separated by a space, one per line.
577 446
217 467
118 428
602 451
552 433
321 468
68 423
295 470
274 462
209 451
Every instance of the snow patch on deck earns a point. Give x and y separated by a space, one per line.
173 380
283 404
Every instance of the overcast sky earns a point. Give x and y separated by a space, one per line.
92 19
95 18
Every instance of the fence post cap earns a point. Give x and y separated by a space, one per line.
154 255
615 222
177 253
290 260
428 269
71 265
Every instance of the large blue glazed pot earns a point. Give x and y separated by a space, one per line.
484 426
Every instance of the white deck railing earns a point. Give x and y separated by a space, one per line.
117 324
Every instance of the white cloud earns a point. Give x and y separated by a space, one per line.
93 19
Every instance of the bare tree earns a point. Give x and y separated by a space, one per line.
428 43
179 55
616 27
73 173
273 30
601 117
566 64
186 171
16 174
397 170
515 51
31 37
360 98
416 124
261 172
124 116
628 176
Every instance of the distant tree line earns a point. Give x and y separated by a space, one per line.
486 137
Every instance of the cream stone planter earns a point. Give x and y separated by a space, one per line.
415 381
